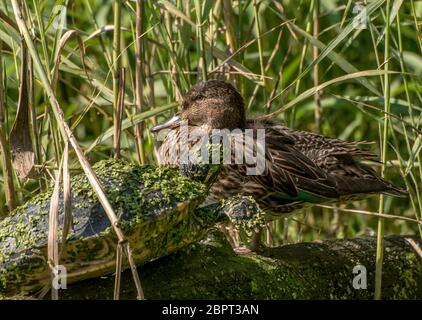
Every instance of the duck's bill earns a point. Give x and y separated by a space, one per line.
171 124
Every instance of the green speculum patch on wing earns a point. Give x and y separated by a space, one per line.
302 196
154 206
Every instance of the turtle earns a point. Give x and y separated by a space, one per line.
159 209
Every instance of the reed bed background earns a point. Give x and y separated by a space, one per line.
347 69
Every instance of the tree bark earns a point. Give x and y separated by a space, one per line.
317 270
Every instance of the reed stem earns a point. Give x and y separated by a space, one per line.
116 71
380 232
139 129
6 161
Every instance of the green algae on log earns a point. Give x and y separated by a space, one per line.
314 270
156 207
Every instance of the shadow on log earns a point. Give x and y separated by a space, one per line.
319 270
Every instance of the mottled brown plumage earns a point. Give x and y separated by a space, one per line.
302 168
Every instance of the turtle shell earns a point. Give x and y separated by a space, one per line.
154 206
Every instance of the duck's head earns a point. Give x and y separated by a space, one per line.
213 104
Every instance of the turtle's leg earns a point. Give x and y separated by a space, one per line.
244 212
255 242
231 233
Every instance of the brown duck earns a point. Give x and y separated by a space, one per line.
301 168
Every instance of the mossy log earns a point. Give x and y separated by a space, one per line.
317 270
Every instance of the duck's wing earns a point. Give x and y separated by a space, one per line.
289 178
322 150
353 177
342 161
291 173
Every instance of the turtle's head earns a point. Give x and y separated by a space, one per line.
214 104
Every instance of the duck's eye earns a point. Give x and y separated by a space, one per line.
198 97
193 98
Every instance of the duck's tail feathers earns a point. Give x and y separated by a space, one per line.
395 191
